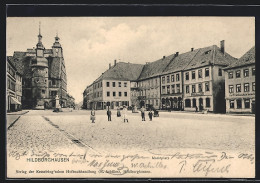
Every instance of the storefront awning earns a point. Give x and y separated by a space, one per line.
15 101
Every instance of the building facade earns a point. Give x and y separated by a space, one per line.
240 84
43 74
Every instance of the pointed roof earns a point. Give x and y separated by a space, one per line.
122 71
247 59
211 55
155 68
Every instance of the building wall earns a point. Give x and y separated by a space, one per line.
244 95
18 89
11 82
149 91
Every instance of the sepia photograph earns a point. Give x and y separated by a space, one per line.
130 97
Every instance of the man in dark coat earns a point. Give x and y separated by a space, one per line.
108 115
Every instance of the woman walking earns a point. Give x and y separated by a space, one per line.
92 116
125 115
118 114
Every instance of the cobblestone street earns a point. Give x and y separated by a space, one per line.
170 130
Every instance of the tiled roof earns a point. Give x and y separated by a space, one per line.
210 55
54 67
155 68
246 59
122 71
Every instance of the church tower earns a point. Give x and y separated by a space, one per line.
56 48
39 66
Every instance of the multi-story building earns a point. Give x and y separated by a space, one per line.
113 87
204 81
240 84
149 82
172 81
43 74
12 102
88 97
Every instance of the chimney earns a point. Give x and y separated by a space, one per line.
222 46
114 62
163 57
176 54
192 49
109 65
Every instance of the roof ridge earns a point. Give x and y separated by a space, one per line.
169 63
192 59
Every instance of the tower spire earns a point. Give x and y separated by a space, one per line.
39 28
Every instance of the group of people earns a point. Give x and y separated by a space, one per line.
124 114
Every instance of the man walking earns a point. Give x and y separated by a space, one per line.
142 113
108 114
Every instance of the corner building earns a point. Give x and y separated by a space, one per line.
240 84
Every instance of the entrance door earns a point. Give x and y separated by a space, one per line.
201 104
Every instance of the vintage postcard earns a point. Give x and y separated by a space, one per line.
130 97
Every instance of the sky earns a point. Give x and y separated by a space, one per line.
91 43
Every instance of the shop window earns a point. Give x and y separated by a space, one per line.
238 74
194 102
231 104
239 103
206 72
238 88
230 75
193 75
247 103
207 102
231 89
187 103
246 87
187 89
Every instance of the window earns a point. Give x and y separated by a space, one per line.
108 94
253 86
53 82
200 87
101 84
247 103
97 94
98 85
157 102
246 87
114 84
193 89
43 91
239 104
125 84
178 88
119 84
230 75
177 77
187 89
163 89
207 102
219 72
186 76
119 94
231 89
125 94
114 94
238 88
107 84
193 75
246 72
238 73
187 103
206 72
194 102
172 78
207 86
168 89
200 73
253 71
231 104
168 79
163 80
173 88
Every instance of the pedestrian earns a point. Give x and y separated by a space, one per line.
150 114
196 107
108 114
125 115
118 114
92 116
143 113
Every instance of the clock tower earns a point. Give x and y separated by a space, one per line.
56 48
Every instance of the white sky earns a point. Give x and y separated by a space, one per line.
91 43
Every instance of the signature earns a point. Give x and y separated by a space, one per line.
17 155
